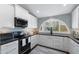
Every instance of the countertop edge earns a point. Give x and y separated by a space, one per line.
69 36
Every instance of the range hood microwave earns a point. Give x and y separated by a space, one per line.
19 22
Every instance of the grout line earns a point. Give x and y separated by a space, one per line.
49 48
53 49
34 47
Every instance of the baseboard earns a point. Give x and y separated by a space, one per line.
54 49
49 48
34 47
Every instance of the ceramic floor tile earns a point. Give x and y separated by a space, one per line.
43 50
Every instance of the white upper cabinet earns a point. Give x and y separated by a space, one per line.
75 18
9 48
20 12
24 14
6 16
32 21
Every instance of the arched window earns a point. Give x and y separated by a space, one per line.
56 25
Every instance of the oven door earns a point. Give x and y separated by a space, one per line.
24 45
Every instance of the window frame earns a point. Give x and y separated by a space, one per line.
60 22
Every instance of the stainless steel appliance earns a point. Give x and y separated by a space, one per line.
19 22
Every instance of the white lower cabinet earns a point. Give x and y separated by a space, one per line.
74 47
9 48
61 43
66 43
46 40
51 41
14 51
58 42
34 40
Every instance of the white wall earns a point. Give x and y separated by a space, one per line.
6 15
75 18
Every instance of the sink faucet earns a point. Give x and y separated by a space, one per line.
51 32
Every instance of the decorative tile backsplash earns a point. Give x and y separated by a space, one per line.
76 33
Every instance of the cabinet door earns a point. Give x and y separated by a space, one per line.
34 40
46 40
66 44
20 12
14 51
6 15
58 43
9 47
32 21
74 47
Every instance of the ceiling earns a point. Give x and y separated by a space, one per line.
46 10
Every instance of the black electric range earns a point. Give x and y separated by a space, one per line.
24 45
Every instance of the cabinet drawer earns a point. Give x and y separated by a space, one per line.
10 44
14 51
8 47
10 51
74 47
34 41
32 45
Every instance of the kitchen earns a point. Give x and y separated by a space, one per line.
39 29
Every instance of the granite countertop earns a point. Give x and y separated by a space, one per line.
14 39
69 36
48 34
7 41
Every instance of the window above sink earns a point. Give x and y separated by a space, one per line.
57 26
